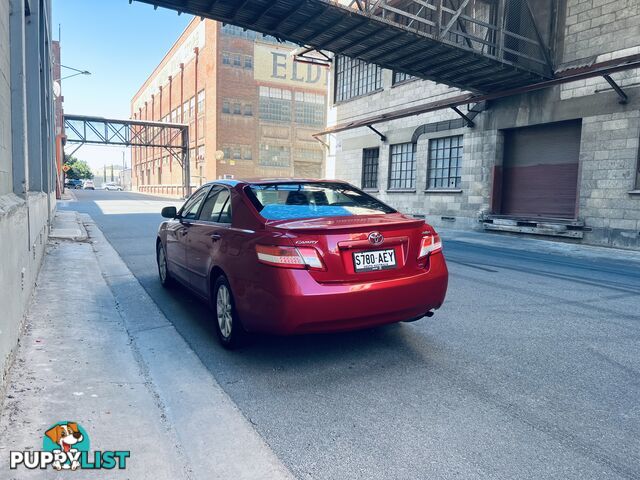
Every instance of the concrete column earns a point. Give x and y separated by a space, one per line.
19 153
47 120
33 97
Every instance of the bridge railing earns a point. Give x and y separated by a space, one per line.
502 29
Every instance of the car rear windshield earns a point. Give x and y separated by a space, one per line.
286 201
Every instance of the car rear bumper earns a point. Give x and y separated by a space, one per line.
295 303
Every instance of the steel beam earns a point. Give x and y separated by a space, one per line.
622 97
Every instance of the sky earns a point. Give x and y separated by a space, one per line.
120 44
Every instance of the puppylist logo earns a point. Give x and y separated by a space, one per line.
65 446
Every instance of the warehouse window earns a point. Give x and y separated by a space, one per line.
275 156
248 110
355 78
275 105
247 153
400 77
226 58
310 109
248 62
237 60
201 102
445 162
226 107
232 30
370 158
192 106
237 109
185 111
402 166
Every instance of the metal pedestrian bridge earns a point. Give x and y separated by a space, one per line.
478 45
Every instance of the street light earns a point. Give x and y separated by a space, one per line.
78 72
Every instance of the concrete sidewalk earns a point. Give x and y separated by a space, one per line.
541 245
96 350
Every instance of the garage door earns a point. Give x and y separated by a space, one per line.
540 170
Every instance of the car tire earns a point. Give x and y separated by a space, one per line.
163 269
230 332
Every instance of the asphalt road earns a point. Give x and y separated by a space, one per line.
531 369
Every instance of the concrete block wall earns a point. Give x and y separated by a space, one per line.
608 201
604 29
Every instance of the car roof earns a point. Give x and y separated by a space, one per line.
269 181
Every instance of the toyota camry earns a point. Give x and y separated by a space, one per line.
300 256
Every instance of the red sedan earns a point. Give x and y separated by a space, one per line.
300 256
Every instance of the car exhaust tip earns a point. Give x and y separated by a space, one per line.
428 314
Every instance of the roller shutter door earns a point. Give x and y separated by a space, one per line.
540 170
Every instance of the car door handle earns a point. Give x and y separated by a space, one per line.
184 231
215 237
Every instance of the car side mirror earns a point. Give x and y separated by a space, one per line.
169 212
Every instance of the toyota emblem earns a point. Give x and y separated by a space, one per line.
375 238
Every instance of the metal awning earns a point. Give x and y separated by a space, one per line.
601 69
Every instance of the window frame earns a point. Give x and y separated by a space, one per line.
365 151
406 78
413 170
218 188
190 202
358 83
432 163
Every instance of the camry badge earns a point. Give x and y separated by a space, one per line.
375 238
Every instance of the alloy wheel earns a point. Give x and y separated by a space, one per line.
224 311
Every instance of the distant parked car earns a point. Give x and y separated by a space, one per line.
112 186
89 185
73 183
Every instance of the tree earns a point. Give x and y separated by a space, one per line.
79 168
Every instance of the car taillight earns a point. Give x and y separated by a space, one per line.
430 244
290 257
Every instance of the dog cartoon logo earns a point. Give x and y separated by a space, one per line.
69 439
66 447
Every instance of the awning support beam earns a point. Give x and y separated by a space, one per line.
381 135
470 123
622 97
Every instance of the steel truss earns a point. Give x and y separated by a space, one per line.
173 137
503 29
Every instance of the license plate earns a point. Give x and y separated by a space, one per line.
374 260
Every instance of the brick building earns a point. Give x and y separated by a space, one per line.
250 108
560 161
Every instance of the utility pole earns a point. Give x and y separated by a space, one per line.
104 176
112 171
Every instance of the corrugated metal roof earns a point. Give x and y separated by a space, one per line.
328 26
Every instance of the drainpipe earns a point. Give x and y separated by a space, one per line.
161 152
153 117
146 149
185 155
196 50
171 110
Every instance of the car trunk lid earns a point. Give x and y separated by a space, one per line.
347 251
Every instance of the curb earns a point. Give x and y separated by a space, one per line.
218 441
